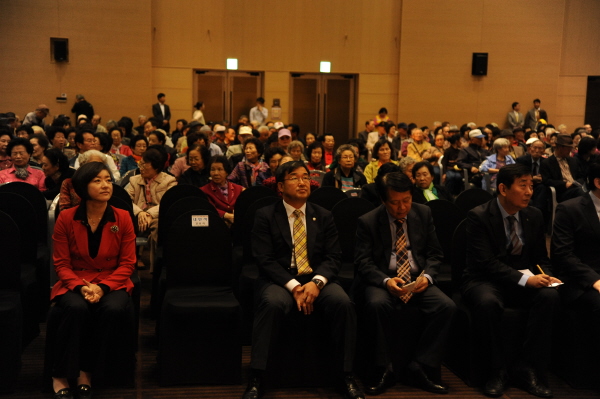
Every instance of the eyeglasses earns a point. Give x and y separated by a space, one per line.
142 164
299 178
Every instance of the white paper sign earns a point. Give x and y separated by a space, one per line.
199 220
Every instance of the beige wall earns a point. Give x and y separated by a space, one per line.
109 56
412 56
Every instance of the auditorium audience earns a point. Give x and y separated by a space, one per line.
68 195
138 146
425 189
382 154
496 161
197 157
146 191
251 171
21 150
56 168
345 176
222 193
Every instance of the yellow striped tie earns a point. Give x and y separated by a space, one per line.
300 248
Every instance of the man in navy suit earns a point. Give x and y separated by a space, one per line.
296 247
162 112
505 237
384 266
575 249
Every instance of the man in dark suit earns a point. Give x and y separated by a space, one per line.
535 114
533 161
161 111
296 247
505 244
575 249
395 243
562 172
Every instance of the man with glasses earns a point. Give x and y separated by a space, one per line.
295 244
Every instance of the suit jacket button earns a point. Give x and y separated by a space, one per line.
99 270
107 258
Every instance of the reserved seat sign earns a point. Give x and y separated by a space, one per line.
199 220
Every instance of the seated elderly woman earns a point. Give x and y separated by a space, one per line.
94 257
40 144
251 171
406 166
220 192
296 150
382 154
68 195
138 146
146 191
20 150
494 162
197 157
345 176
55 165
314 154
425 190
272 157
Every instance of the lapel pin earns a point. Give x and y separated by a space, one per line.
314 219
114 229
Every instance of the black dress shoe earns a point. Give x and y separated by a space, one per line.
84 391
526 379
422 381
254 389
496 385
386 380
350 388
63 394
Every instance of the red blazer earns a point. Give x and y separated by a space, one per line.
114 263
215 196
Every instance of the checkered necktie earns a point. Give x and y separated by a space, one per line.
402 263
515 245
300 248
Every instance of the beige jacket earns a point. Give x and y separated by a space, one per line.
137 191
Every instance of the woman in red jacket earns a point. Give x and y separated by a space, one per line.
94 257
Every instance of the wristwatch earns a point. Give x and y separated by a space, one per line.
319 283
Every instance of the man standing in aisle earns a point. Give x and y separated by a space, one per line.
259 113
161 111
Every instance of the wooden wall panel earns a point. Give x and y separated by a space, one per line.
376 91
109 55
277 85
581 41
436 50
570 107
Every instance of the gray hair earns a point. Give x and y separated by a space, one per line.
346 147
404 162
294 144
263 127
85 157
499 143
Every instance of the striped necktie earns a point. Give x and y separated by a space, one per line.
300 246
402 263
515 246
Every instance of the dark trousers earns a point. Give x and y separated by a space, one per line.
487 303
88 336
589 302
379 308
276 302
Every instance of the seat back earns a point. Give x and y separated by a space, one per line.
121 193
354 192
326 197
247 224
52 215
37 201
446 217
469 199
170 197
125 179
181 206
459 254
23 214
10 250
243 202
198 250
345 215
317 175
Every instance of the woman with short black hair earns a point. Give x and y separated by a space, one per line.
94 257
55 165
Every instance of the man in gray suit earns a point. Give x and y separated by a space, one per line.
515 118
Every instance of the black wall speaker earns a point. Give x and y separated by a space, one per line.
60 49
480 62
